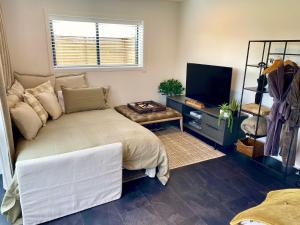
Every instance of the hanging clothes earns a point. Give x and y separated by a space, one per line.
289 133
279 81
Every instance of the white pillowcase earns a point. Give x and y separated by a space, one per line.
50 103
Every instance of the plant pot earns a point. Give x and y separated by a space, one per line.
224 113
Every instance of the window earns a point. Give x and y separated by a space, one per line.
96 44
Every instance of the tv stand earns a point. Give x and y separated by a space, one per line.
205 122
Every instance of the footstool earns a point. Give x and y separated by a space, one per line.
150 118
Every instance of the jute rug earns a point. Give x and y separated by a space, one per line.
184 149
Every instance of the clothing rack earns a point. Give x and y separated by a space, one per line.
264 61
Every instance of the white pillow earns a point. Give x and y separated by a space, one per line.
50 103
37 107
12 100
61 100
16 89
26 120
44 87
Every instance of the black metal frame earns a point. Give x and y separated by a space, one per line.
268 44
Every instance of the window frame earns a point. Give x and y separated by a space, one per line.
114 67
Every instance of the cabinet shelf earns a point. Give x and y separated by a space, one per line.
190 116
254 89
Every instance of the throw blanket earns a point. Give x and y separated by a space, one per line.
76 131
279 208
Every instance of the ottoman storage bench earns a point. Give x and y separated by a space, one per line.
152 117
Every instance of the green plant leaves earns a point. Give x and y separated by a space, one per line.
171 87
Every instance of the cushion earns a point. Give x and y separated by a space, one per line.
106 92
71 81
147 117
37 107
83 99
249 126
44 87
12 100
50 103
33 80
26 120
16 89
254 108
61 102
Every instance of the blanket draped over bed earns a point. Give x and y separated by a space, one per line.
76 131
281 207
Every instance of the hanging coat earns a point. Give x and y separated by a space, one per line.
289 133
279 83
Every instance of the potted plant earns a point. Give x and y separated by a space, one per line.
234 107
228 111
171 87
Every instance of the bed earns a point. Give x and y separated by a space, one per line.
77 131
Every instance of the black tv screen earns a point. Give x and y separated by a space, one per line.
208 84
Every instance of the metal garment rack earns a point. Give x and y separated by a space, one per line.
264 62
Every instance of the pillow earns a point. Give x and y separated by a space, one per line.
50 103
83 99
26 120
16 89
71 81
12 100
106 91
33 80
60 98
37 107
44 87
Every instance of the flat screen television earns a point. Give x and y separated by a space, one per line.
208 84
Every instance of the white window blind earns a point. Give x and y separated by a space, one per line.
96 44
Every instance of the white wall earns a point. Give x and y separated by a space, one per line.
28 45
210 32
217 32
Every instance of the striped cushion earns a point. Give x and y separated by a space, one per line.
16 89
44 87
37 107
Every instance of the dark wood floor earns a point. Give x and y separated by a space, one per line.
207 193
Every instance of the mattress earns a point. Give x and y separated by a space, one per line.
141 148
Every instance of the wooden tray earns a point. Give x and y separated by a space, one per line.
146 107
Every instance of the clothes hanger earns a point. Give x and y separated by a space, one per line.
289 63
274 66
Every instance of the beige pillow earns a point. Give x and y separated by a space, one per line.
33 80
12 100
71 81
50 103
37 107
16 89
60 98
26 120
83 99
106 92
44 87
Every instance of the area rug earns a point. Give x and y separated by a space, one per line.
184 149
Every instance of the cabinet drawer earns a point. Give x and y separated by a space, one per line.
213 122
213 132
174 105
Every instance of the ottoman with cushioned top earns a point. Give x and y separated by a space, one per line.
149 118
